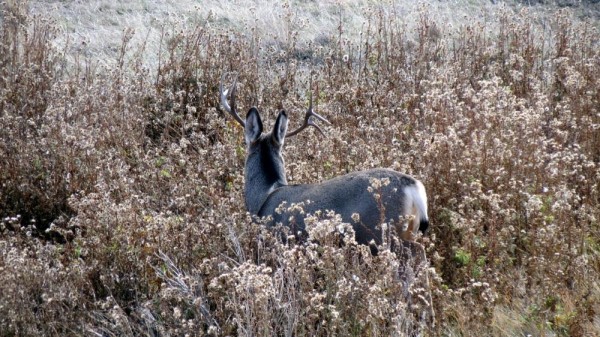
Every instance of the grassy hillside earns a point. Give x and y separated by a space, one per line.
121 178
94 28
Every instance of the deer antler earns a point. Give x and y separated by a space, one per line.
226 105
308 121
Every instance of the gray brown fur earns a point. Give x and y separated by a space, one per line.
266 187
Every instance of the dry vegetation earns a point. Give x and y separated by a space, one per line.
121 185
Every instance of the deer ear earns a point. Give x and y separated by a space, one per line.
280 128
253 127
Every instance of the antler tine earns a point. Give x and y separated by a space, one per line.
226 105
308 121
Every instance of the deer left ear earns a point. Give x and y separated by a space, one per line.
280 128
253 127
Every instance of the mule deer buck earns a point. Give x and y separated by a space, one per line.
403 200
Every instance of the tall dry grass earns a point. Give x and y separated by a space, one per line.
121 184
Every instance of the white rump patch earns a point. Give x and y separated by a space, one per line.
416 204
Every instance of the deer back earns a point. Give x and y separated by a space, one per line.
348 195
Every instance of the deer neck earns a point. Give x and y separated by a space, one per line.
264 173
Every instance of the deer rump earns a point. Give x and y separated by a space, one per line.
349 194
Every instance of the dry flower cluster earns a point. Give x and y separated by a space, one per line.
121 185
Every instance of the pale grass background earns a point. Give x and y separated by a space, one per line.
95 28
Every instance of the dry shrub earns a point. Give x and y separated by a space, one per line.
121 191
27 75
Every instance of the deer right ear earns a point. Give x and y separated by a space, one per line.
254 126
280 128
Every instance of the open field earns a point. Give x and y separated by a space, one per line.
121 178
